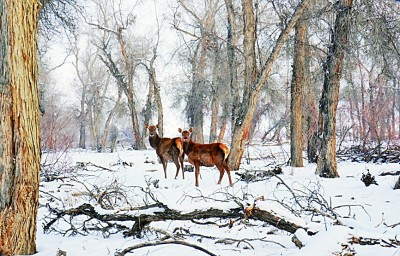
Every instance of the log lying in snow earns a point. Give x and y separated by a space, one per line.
166 213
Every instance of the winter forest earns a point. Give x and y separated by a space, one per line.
300 99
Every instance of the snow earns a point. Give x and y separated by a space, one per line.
363 211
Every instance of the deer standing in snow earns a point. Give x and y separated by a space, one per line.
167 149
206 155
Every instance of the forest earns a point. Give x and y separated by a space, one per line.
284 84
233 71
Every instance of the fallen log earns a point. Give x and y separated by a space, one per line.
163 213
392 173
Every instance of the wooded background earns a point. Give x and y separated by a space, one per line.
232 72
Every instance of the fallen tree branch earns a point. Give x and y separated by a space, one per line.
163 213
374 241
393 173
147 244
391 226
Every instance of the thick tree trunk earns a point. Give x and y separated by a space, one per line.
326 165
19 127
296 113
247 108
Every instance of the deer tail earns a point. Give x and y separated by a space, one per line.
225 149
179 145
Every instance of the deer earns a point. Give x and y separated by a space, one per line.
167 149
212 154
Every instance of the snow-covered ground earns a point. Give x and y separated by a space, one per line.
137 179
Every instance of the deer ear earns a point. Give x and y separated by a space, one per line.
191 129
179 130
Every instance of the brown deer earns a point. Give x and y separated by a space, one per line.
206 155
167 149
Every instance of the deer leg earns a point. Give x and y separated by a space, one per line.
176 161
182 166
221 173
228 172
164 163
197 172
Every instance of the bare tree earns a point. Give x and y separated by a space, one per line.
122 68
298 80
370 94
326 165
204 42
252 94
19 126
154 91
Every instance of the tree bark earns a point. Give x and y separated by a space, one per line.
296 113
326 165
247 108
19 126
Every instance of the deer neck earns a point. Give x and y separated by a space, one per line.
154 141
187 146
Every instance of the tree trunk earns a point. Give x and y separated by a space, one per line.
148 107
327 166
160 110
92 130
311 113
247 108
232 41
196 100
82 121
19 127
83 114
296 119
215 101
154 92
108 122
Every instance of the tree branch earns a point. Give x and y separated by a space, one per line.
131 248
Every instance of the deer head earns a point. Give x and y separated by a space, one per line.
185 134
152 129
